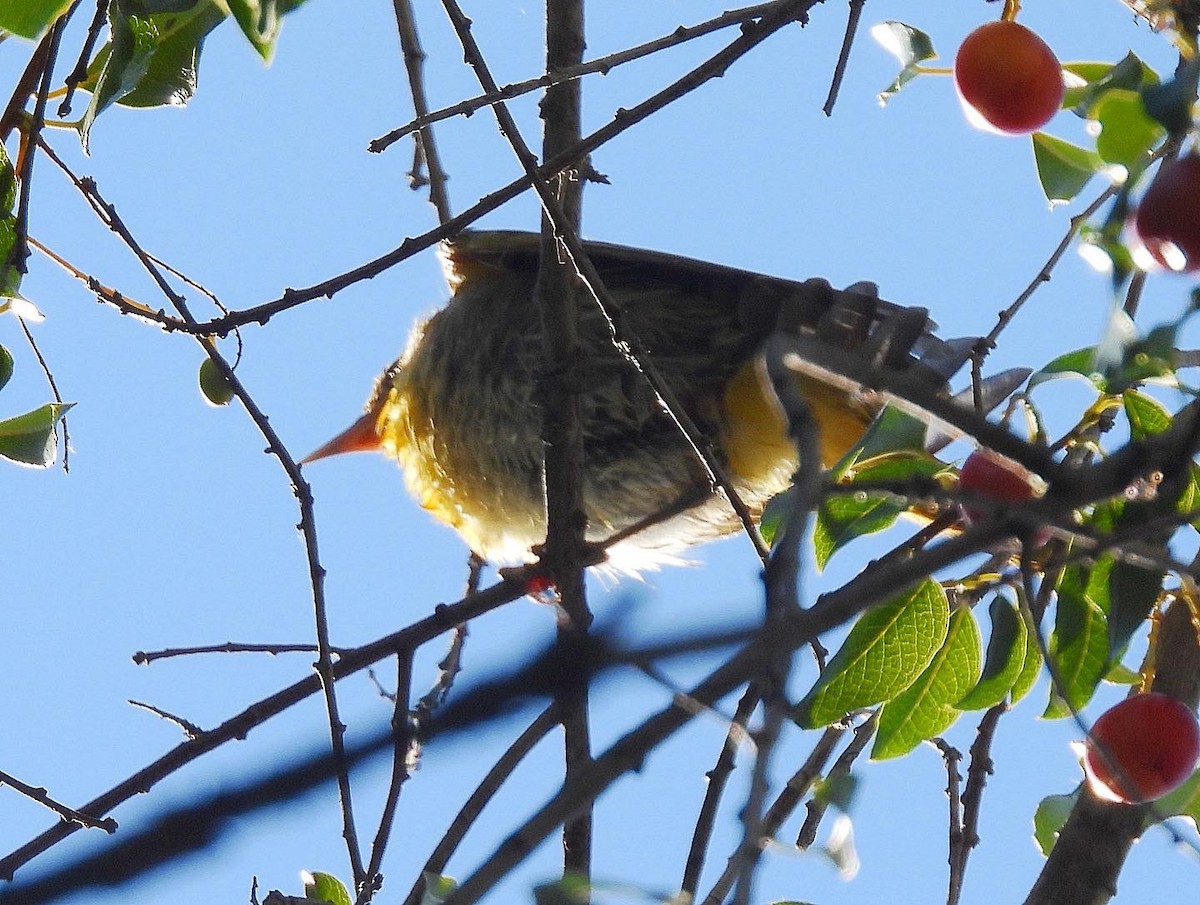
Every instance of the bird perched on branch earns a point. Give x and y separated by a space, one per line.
459 409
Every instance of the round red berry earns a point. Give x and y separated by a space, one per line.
1142 748
1167 222
1008 78
995 478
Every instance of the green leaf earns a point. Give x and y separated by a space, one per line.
1050 817
173 73
1031 669
1133 591
1005 659
8 183
10 273
320 887
1128 359
6 366
1183 802
1147 416
1129 74
29 438
909 45
1127 132
260 21
886 650
1080 363
134 38
1171 104
893 449
437 888
893 430
841 519
29 18
927 707
1079 642
1063 168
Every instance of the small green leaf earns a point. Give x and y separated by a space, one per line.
1080 363
259 21
837 790
572 889
1127 133
1128 359
8 183
1030 670
1063 168
893 430
1183 802
927 707
1129 74
320 887
1079 642
841 519
437 888
1146 416
909 45
134 38
1049 819
29 439
1005 659
6 366
216 389
885 651
1171 104
893 449
10 273
173 72
1133 591
29 18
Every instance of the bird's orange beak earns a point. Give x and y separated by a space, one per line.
360 436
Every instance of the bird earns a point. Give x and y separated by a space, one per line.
459 409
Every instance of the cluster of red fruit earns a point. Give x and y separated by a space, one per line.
1143 747
1011 82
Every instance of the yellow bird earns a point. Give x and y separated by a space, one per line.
459 409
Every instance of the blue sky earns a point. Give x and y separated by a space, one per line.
172 528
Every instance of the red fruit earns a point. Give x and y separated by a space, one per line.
1008 78
1152 738
1167 222
997 479
541 589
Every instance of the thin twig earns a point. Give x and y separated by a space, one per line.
414 59
799 785
504 767
45 366
402 732
1043 276
786 11
717 778
40 795
79 73
863 733
952 757
443 619
978 770
324 665
190 729
142 658
603 65
839 71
